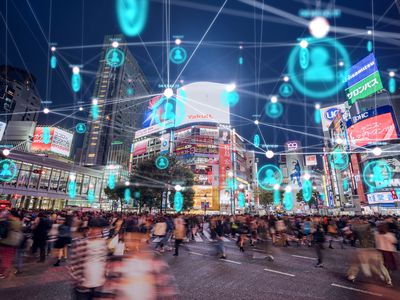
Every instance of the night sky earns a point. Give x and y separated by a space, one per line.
34 24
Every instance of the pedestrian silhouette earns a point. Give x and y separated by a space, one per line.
168 111
319 71
178 55
377 176
269 177
273 109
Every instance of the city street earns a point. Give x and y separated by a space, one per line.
201 275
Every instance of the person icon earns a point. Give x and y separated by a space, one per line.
80 128
273 109
338 159
5 172
115 60
178 55
162 163
168 111
377 176
269 179
319 71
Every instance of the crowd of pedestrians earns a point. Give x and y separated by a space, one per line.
102 248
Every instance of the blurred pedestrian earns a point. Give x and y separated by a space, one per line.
386 244
179 233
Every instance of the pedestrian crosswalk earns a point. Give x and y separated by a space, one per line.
201 238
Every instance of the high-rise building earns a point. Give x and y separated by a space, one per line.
120 91
19 98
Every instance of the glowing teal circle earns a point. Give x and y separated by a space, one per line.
339 159
178 201
327 91
168 115
162 162
373 174
268 176
115 58
274 110
229 99
178 55
286 90
8 170
80 128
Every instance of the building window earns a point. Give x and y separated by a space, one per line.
91 155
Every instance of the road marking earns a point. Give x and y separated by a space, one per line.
196 253
258 250
306 257
273 271
207 235
225 239
357 290
231 261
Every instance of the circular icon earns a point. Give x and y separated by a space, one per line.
314 73
268 176
229 99
164 111
178 201
377 174
8 170
339 159
274 110
162 162
178 55
80 128
286 90
115 57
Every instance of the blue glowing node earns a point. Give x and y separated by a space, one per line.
307 190
241 60
178 55
274 110
312 70
229 99
80 128
268 176
317 116
377 174
8 170
178 201
256 140
231 183
111 181
76 82
132 15
115 57
53 62
95 112
286 90
241 200
277 197
46 135
91 195
339 159
288 201
72 189
345 185
130 92
162 162
136 195
127 195
369 46
392 85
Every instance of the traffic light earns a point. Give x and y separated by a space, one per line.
394 195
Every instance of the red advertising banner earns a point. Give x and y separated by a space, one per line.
225 163
37 143
140 148
371 130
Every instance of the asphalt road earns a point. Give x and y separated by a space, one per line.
201 275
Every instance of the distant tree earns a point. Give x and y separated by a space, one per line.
313 201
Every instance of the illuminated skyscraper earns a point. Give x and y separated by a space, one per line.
120 90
